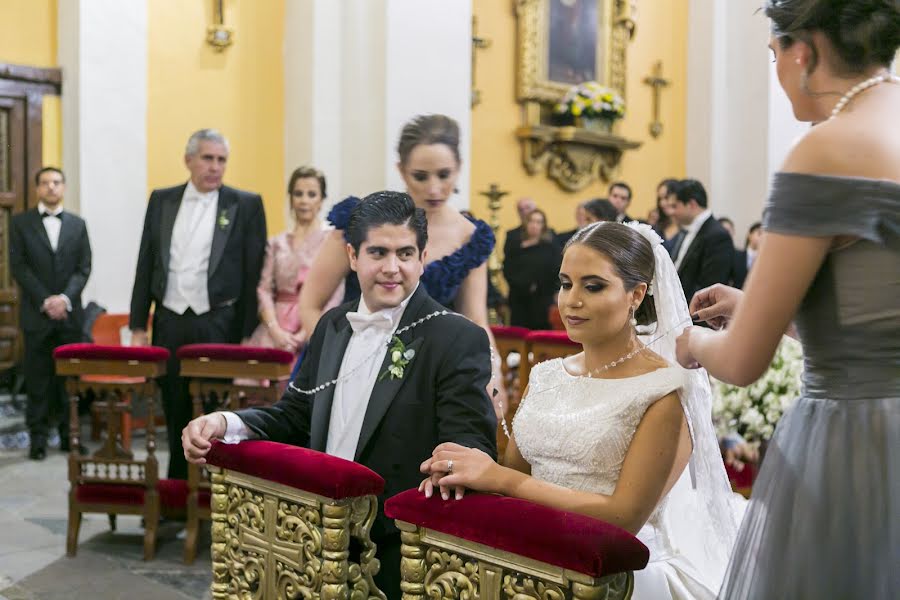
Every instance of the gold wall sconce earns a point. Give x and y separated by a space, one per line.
218 35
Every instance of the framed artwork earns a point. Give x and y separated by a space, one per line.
566 42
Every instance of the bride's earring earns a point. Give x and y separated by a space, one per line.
633 320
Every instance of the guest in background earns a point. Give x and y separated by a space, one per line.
531 270
514 236
743 259
728 224
581 219
665 226
50 259
199 262
705 254
289 257
600 209
620 195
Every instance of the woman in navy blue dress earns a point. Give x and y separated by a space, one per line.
458 246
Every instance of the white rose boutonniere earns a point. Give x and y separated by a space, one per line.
400 357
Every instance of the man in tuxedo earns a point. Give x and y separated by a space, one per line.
513 241
389 422
50 259
704 255
199 264
620 195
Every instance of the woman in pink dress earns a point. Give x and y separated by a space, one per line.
288 258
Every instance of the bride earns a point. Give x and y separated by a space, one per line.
618 432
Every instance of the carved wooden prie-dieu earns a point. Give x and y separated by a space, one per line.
284 520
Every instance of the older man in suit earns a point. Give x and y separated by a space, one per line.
704 254
199 264
386 378
50 259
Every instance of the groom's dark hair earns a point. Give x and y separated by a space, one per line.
386 208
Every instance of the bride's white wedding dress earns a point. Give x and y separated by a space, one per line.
576 431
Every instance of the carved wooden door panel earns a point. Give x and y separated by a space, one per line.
13 199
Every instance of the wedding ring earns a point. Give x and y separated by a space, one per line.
450 466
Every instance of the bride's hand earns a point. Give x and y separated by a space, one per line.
470 467
683 348
715 304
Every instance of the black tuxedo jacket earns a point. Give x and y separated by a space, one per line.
708 260
41 272
440 398
235 261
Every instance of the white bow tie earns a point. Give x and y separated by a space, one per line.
360 322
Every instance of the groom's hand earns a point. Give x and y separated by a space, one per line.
196 436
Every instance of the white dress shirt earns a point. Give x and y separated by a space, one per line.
364 355
51 225
186 286
690 234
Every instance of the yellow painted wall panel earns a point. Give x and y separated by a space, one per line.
496 153
239 91
28 32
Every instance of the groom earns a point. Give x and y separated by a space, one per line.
384 412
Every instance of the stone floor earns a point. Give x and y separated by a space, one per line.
33 519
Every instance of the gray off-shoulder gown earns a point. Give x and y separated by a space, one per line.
824 518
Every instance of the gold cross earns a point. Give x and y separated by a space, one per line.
271 550
657 82
478 43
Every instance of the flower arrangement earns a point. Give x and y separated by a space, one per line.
592 100
754 411
400 357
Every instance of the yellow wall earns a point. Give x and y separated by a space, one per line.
496 154
28 37
239 91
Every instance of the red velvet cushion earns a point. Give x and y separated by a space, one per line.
110 493
173 493
741 479
517 333
551 337
559 538
100 352
297 467
235 352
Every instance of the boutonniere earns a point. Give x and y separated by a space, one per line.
400 357
223 220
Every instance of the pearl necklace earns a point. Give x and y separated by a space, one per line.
861 87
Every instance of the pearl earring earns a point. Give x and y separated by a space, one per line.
633 320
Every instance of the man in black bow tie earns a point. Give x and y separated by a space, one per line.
50 259
395 373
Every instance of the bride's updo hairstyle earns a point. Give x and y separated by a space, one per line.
863 33
631 255
428 130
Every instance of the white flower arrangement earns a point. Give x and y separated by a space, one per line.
753 411
590 99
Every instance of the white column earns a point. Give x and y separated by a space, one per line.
357 70
103 54
739 123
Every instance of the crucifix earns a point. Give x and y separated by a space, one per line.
657 82
478 43
494 194
218 35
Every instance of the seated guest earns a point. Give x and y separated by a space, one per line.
288 259
620 195
705 254
372 408
531 272
665 226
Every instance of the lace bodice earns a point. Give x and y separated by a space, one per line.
575 431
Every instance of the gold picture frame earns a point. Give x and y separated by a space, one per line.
538 56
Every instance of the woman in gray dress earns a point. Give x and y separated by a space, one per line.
824 519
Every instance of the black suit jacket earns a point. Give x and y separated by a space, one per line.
440 398
235 261
513 240
739 270
41 272
708 260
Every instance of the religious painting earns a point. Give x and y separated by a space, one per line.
572 43
565 42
